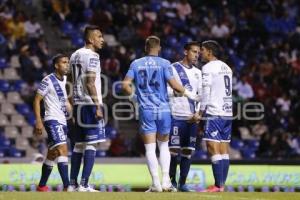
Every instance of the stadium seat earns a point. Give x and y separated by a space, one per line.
22 143
4 86
11 74
30 119
88 14
27 131
3 63
8 108
16 153
11 132
237 144
14 97
2 98
17 85
23 109
77 42
18 120
252 144
67 28
14 61
248 153
100 153
3 120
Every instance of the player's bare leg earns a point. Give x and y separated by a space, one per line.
149 140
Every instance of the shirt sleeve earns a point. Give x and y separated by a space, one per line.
93 63
168 71
43 88
206 87
130 72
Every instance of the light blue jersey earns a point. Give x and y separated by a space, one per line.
150 74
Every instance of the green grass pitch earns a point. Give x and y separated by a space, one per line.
147 196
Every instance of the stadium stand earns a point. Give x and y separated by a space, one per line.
260 39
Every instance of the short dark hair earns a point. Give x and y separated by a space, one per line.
213 46
188 45
89 29
151 42
57 57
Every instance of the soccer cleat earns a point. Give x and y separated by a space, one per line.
70 188
42 189
154 189
212 188
222 189
86 189
184 188
171 188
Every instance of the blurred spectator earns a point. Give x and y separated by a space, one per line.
244 89
33 28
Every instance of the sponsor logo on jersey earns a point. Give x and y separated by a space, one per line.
175 140
94 62
192 139
227 107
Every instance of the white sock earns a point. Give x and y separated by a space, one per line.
152 163
164 160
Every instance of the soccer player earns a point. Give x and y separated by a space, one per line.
52 90
216 106
151 75
184 114
87 103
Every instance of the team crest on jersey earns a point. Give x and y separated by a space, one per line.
214 133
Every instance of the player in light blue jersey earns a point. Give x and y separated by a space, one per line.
151 74
53 92
216 106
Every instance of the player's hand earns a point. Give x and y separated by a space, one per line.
195 119
177 94
99 114
38 129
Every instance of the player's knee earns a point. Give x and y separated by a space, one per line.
174 152
187 153
52 154
62 150
78 148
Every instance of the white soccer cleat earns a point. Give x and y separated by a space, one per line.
86 189
154 189
168 187
72 188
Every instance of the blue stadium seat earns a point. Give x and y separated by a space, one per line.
252 144
100 153
67 28
23 109
3 63
4 86
200 154
88 14
30 119
248 153
17 85
77 42
237 144
16 153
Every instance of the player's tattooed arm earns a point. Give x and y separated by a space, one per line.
38 129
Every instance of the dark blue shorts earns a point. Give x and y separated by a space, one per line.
87 128
57 133
183 135
217 128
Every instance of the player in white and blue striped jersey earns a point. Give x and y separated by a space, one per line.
216 107
53 92
184 114
89 128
